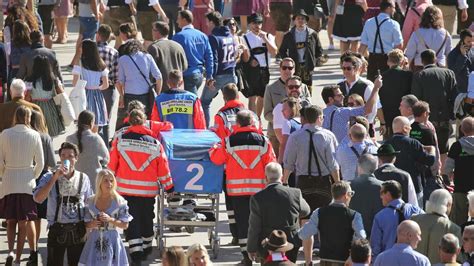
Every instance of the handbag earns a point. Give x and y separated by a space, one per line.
65 107
78 96
151 88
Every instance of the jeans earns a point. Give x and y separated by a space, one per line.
208 94
193 82
88 27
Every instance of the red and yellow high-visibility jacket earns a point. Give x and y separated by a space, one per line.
245 153
139 162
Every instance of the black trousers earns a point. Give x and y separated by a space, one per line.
140 233
241 206
230 211
376 62
56 254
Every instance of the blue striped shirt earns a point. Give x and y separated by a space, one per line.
340 123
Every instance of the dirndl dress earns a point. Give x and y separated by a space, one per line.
349 26
95 98
104 246
51 112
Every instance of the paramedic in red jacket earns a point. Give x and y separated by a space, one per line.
245 152
139 162
180 107
225 120
155 126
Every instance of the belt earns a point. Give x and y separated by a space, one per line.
92 87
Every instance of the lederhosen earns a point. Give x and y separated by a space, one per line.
377 61
67 234
301 70
316 190
257 77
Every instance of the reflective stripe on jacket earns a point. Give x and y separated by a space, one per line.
139 162
245 153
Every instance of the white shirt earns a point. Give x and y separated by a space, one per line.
278 118
286 127
256 41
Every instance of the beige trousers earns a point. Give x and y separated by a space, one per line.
449 17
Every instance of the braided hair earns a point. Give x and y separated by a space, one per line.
84 122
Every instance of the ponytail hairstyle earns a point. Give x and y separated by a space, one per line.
137 117
84 122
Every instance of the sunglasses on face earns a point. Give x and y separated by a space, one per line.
292 87
349 68
287 68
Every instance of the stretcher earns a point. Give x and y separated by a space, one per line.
195 177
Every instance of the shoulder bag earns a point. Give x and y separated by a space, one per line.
151 87
65 107
78 96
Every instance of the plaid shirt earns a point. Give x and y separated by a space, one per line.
110 57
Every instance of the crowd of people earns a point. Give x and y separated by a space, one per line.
372 177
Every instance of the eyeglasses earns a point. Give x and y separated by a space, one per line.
347 68
292 87
287 67
351 193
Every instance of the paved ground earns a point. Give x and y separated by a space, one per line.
326 75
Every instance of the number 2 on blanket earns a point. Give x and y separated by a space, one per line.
191 185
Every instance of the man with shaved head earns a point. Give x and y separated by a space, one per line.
403 253
348 153
412 153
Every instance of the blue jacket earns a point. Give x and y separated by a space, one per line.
198 51
181 108
223 46
384 227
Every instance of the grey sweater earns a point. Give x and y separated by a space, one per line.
94 154
168 55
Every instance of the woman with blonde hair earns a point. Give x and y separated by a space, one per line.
355 100
105 212
198 256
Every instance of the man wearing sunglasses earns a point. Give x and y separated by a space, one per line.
353 83
275 93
